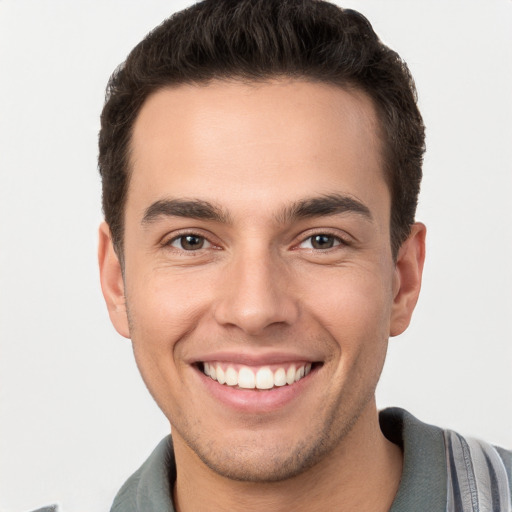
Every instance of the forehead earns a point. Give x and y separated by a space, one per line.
277 140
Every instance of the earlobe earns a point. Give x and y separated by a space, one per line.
112 284
408 273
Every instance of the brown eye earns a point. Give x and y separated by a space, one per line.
189 242
320 241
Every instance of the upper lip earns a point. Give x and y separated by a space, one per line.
253 359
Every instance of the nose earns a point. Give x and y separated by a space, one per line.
257 294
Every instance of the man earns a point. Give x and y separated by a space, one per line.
261 163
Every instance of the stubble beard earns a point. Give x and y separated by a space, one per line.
255 461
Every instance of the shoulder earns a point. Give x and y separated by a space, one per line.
461 473
478 470
149 488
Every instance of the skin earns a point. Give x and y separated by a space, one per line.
258 286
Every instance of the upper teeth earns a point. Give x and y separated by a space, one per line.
261 378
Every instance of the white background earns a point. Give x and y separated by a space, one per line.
75 418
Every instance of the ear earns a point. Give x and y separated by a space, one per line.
407 279
112 284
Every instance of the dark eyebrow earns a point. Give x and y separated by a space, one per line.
190 208
329 204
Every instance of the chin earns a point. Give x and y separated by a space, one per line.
264 457
257 465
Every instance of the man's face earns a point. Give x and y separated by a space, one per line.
257 243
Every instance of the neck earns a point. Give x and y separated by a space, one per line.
362 473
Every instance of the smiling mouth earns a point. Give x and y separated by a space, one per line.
261 378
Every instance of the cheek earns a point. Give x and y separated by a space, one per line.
162 312
354 305
163 309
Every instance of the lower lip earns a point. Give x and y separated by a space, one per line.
254 400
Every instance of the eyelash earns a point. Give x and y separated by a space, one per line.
184 235
336 240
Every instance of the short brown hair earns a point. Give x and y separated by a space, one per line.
259 40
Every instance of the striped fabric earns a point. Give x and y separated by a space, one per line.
477 478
